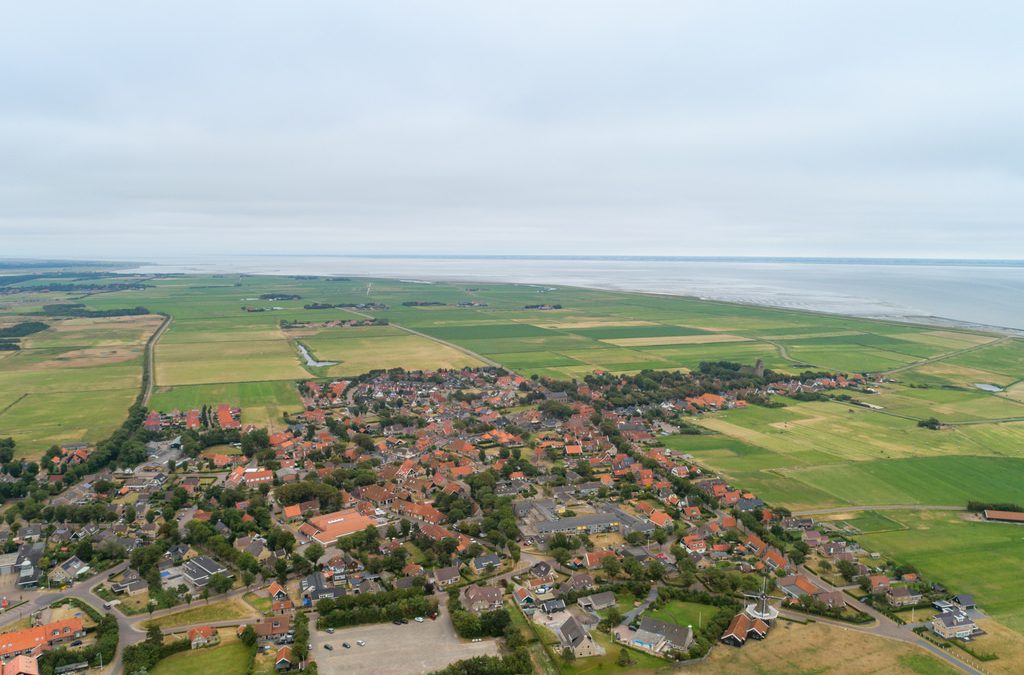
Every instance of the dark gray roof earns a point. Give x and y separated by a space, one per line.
677 636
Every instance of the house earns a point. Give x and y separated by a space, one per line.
597 601
657 636
284 659
40 638
198 570
27 564
21 665
542 570
741 628
69 570
523 597
954 625
572 636
277 592
271 627
328 528
315 587
482 598
965 601
901 596
552 606
482 563
446 576
202 636
579 581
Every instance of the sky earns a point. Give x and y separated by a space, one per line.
795 128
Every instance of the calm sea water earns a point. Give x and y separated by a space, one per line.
988 294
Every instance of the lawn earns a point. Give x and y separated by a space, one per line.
642 661
215 611
261 603
231 657
684 613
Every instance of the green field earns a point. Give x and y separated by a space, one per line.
230 658
262 403
975 557
72 382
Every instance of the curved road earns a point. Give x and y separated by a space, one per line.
882 627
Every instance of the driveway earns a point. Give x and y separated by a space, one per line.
395 650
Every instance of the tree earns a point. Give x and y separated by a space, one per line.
313 552
248 636
624 658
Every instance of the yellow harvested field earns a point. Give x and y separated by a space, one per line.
216 362
1007 644
806 336
412 352
945 338
963 374
676 340
818 648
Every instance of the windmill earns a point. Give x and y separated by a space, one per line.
760 608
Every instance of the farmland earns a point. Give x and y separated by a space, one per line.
66 380
962 553
75 380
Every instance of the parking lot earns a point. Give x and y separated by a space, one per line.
395 650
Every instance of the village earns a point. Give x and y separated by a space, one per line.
407 511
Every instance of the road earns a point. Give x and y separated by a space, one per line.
130 630
652 595
883 626
947 355
884 507
149 376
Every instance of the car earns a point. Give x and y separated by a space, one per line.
361 642
346 645
329 648
76 643
419 619
398 622
404 621
331 631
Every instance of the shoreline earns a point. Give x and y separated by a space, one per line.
897 316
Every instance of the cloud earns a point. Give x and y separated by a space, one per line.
777 128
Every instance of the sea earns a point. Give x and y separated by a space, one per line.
968 293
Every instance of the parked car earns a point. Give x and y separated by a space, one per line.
397 622
329 648
419 619
361 642
331 631
76 643
346 645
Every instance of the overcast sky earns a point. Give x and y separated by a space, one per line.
678 128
